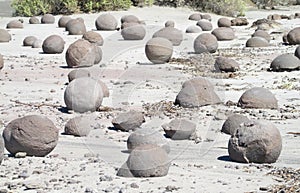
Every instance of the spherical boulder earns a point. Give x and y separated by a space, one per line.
136 32
15 24
159 50
293 36
93 37
53 44
285 62
146 161
232 123
80 126
205 25
1 149
128 121
257 42
62 22
263 34
83 95
126 24
146 136
78 73
129 19
1 62
106 22
193 29
179 129
48 19
206 16
205 43
34 20
170 23
76 27
4 36
81 53
29 40
170 33
225 64
37 43
258 97
255 142
197 92
195 16
35 135
104 88
97 53
224 22
297 52
224 33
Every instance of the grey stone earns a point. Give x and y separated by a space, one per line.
179 129
206 16
224 33
258 97
78 73
232 123
195 16
197 92
170 23
129 19
36 135
29 40
80 126
159 50
104 88
294 36
106 22
15 24
37 44
97 53
83 95
1 62
226 64
205 25
263 34
146 136
135 32
62 22
48 19
193 29
53 44
4 36
285 62
127 121
1 149
239 22
34 20
224 22
257 42
170 33
297 52
126 24
255 142
76 27
205 43
93 37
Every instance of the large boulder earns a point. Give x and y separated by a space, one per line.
34 20
224 33
293 36
76 27
1 62
4 36
205 25
193 29
205 43
146 161
129 19
78 73
255 142
285 62
106 22
98 54
80 126
146 136
81 53
14 24
93 37
53 44
1 149
297 52
197 92
225 64
257 42
35 135
170 33
37 43
195 17
29 40
135 32
83 95
48 19
62 22
159 50
263 34
179 129
232 123
224 22
128 121
258 97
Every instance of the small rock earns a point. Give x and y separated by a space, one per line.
128 121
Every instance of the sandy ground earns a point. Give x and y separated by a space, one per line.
89 164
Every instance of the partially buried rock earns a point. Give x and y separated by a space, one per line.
224 22
195 16
83 95
170 23
232 123
197 92
255 142
146 161
78 73
224 33
106 22
62 22
29 40
193 29
76 27
179 129
297 52
226 64
37 44
170 33
1 62
80 126
205 43
263 34
93 37
285 62
15 24
159 50
258 97
127 121
4 36
293 36
144 136
34 20
205 25
136 32
36 135
257 42
48 19
53 44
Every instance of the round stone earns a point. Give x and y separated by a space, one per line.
159 50
285 62
224 22
76 27
83 95
37 44
128 121
80 126
53 44
36 135
15 24
197 92
106 22
205 25
170 33
224 33
206 16
62 22
255 142
258 97
93 37
136 32
294 36
297 52
170 23
104 88
225 64
97 53
205 43
257 42
48 19
263 34
193 29
4 36
129 19
195 16
34 20
232 123
179 129
126 24
78 73
29 40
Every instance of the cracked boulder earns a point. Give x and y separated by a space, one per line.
159 50
179 129
128 121
93 37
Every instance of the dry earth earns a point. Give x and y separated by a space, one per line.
34 83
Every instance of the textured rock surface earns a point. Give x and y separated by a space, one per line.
232 123
205 43
62 22
258 97
197 92
4 36
129 19
36 135
29 40
239 22
98 54
226 64
83 95
257 42
80 126
224 22
159 50
48 19
127 121
93 37
76 27
106 22
34 20
179 129
53 44
293 36
257 142
263 34
78 73
285 62
205 25
224 33
135 32
195 16
170 33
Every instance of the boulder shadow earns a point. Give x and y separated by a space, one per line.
225 158
64 110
